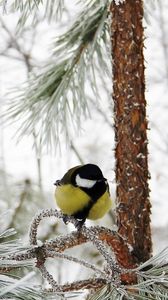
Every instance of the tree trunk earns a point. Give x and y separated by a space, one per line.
133 206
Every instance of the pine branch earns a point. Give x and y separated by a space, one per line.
55 254
22 289
18 288
11 245
151 277
39 253
94 234
56 96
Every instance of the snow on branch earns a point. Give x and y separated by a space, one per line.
151 275
40 252
89 233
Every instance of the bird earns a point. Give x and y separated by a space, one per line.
83 192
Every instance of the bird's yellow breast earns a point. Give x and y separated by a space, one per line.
101 207
72 199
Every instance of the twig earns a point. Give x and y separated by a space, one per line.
91 283
13 40
90 233
73 147
23 196
54 254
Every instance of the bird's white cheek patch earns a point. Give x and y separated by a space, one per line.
86 183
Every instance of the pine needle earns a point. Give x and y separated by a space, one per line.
55 100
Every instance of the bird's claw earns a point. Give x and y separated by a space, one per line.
65 219
79 224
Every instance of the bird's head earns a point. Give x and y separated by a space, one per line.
87 176
84 176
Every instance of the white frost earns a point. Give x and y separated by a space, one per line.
117 2
130 247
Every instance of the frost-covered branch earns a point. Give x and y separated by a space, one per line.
145 278
93 234
40 252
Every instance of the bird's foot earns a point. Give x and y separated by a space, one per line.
79 224
65 219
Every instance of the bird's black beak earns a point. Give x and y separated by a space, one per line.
57 183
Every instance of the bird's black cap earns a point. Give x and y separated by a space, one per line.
90 171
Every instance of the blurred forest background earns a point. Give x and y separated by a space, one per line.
28 169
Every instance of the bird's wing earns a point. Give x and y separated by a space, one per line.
108 189
68 175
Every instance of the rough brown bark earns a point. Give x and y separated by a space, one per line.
133 206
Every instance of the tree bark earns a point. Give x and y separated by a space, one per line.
133 205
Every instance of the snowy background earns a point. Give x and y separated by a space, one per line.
95 140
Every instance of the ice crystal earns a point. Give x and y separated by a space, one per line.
117 2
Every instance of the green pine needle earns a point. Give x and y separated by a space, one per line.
55 100
23 289
53 9
152 283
